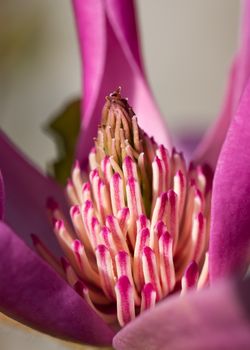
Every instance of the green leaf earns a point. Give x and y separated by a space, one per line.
64 128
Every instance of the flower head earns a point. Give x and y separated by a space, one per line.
141 221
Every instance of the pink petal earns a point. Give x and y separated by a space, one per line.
230 219
210 319
209 150
210 145
26 192
2 196
111 58
32 293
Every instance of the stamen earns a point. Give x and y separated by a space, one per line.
167 271
71 193
142 240
105 267
150 270
204 276
190 278
125 301
140 224
148 297
117 193
77 180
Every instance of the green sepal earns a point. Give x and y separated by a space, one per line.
64 128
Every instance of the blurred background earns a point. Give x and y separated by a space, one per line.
187 45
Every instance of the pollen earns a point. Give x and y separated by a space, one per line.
139 227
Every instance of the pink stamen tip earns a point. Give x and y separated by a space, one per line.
144 236
171 195
164 197
143 220
51 204
69 183
116 177
58 225
148 288
147 251
77 164
128 160
94 221
200 218
125 300
93 174
102 249
86 187
80 288
74 210
153 140
88 205
148 296
161 228
191 274
124 212
109 220
77 245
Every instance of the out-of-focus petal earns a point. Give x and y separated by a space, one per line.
244 51
111 58
26 191
2 196
210 319
31 292
230 219
210 146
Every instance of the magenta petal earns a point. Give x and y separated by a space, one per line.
210 145
2 196
32 293
26 191
210 319
244 51
230 219
111 58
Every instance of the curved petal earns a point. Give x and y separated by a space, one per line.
210 319
26 192
111 58
2 196
210 146
31 292
230 220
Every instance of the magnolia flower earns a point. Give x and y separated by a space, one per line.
145 228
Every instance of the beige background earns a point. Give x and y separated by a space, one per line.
188 45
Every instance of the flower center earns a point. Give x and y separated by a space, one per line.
140 222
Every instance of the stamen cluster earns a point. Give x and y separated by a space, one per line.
140 221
